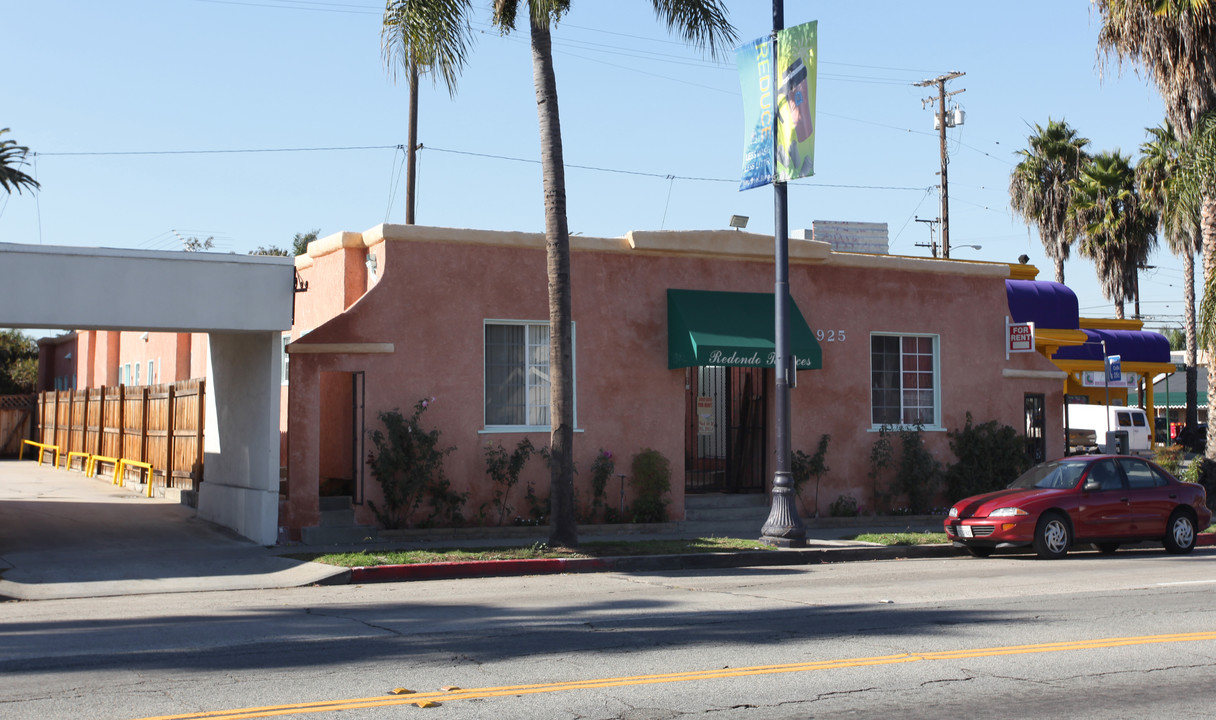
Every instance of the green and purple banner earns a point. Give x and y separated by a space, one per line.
786 87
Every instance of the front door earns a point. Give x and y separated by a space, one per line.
726 429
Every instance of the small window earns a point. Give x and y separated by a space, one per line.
1124 419
516 375
136 381
1106 474
151 372
904 380
1138 420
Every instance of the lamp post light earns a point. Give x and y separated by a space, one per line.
783 528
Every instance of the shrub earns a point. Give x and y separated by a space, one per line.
918 474
602 468
803 467
843 506
651 479
1169 457
407 462
990 456
504 469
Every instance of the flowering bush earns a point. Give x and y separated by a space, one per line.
408 463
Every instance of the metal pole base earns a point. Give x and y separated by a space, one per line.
783 528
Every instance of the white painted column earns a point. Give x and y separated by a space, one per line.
240 488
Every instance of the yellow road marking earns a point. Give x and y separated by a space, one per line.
507 690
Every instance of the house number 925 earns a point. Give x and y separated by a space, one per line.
829 335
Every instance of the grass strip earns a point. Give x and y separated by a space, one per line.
537 551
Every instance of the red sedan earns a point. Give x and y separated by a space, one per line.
1101 499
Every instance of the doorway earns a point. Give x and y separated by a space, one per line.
726 429
342 447
1036 425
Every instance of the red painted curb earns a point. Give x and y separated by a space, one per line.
481 568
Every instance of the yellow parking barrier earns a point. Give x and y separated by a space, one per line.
124 464
42 448
92 468
84 457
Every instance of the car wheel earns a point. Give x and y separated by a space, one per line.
1052 537
980 552
1179 533
1107 548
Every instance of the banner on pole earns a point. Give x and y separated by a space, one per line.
797 60
755 63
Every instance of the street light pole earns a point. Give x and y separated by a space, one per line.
783 528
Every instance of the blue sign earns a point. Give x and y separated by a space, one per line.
1114 370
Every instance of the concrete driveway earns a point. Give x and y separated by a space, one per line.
63 535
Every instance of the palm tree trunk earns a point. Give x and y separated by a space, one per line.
1188 296
1060 270
563 530
1207 224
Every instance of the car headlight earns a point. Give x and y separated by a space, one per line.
953 512
1007 512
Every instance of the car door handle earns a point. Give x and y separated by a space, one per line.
1173 496
1123 499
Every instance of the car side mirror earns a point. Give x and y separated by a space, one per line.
1092 486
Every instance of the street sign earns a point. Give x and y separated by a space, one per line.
1114 369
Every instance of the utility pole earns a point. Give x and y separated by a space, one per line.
943 120
932 244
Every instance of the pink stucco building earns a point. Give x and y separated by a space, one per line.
401 313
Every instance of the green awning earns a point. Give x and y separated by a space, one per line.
1172 398
731 328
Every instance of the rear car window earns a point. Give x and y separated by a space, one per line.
1140 474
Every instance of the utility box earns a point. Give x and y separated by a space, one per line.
1116 442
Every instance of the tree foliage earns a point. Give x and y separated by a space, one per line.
18 363
12 157
1040 186
1118 231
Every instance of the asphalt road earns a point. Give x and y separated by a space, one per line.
1129 636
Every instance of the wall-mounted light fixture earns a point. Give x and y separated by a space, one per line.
144 337
738 222
371 264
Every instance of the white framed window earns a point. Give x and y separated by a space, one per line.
516 375
151 372
136 380
905 387
283 362
124 377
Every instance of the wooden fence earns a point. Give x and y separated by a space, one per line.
157 424
16 422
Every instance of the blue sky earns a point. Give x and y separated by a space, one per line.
124 102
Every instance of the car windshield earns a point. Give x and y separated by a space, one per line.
1059 474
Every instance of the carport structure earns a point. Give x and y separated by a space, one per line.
242 302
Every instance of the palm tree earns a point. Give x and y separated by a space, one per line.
702 23
423 36
1040 186
1159 181
12 156
1175 40
1118 231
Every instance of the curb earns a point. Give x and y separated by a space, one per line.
644 563
654 563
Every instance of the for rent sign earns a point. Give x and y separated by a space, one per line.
1019 337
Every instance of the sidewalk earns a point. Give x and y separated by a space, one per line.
63 535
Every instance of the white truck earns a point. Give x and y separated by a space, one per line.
1105 418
